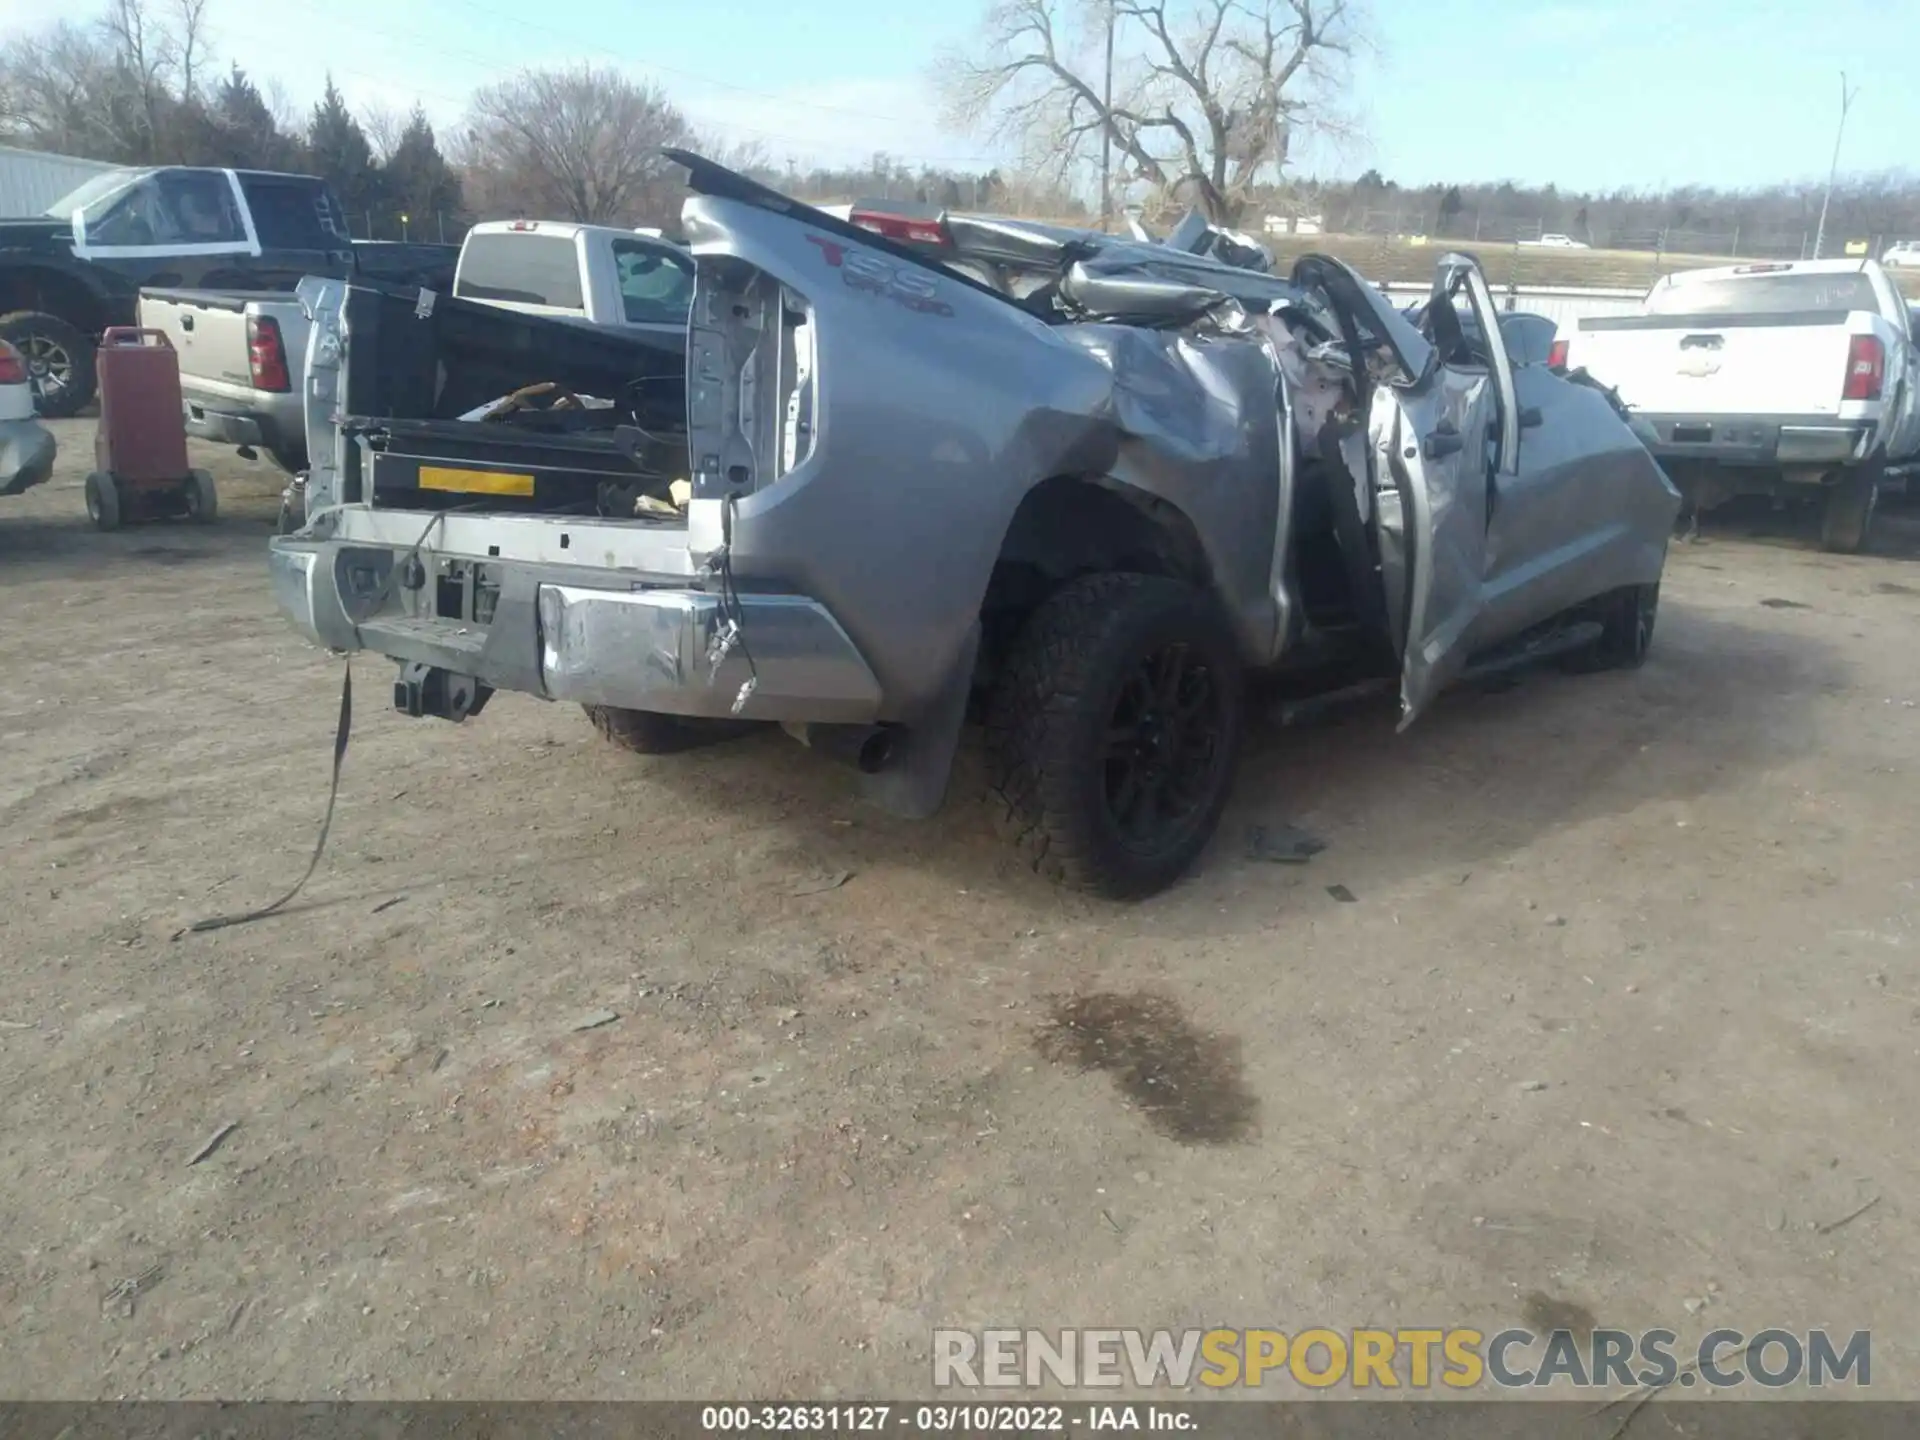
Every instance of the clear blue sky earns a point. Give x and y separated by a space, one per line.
1636 92
1600 94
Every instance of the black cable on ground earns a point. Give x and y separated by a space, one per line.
343 728
341 731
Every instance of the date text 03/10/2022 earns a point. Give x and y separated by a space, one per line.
938 1419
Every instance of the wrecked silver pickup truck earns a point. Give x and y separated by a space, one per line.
1074 485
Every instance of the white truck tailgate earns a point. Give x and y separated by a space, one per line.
207 329
1702 365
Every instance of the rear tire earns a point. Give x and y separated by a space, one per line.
103 501
59 360
1113 732
203 501
1626 619
1846 515
647 732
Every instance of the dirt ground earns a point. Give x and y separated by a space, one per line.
1621 1017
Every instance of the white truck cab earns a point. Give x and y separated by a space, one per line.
597 273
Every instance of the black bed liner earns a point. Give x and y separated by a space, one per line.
419 360
567 469
421 355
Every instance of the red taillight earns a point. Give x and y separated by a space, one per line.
524 225
901 228
266 356
1866 368
1557 355
13 370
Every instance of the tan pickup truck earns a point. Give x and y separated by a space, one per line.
241 358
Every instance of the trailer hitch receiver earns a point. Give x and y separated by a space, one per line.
422 690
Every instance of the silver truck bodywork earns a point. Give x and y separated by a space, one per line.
869 436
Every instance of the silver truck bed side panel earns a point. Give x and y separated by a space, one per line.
940 408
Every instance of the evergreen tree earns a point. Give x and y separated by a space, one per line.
338 150
245 134
418 181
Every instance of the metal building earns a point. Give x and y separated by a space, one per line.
30 180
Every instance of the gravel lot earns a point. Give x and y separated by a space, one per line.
1623 1013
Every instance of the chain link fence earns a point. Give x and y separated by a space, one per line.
438 228
1478 226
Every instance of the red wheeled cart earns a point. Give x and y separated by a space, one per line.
140 450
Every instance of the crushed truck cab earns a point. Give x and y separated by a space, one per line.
1074 485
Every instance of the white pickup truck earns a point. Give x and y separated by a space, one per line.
1799 378
595 273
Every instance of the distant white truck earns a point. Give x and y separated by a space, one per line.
1797 378
597 273
1902 255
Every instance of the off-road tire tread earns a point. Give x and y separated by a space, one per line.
1035 708
1619 615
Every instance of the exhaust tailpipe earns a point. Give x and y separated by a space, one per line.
867 748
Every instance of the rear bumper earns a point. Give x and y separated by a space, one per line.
26 455
1759 440
278 428
559 632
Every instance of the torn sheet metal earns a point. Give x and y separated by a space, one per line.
1441 492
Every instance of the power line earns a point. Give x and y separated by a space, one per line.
413 40
345 69
524 23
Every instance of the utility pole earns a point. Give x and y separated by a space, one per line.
1847 98
1106 129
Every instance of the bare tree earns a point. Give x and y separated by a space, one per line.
749 157
384 125
122 88
1206 96
190 35
148 55
580 143
287 116
56 91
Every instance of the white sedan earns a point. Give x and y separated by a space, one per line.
26 446
1902 255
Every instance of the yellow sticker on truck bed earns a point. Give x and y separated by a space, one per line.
475 482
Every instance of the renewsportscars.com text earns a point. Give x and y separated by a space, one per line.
1415 1359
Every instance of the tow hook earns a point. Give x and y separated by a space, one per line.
423 690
